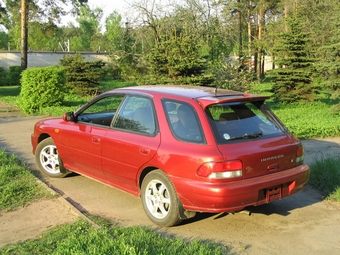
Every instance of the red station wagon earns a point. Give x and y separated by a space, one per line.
181 149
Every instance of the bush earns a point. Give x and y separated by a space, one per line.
42 87
82 76
14 75
10 78
3 77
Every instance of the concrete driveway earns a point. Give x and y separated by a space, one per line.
301 224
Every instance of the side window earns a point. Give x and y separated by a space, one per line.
102 111
136 115
183 121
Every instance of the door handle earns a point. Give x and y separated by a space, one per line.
273 167
96 139
144 151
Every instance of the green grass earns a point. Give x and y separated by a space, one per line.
82 238
304 120
312 120
18 187
325 176
9 94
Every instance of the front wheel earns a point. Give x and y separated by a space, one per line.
47 159
160 200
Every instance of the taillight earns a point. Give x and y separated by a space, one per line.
299 154
221 170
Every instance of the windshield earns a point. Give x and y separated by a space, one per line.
243 120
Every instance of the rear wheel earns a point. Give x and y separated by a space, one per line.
47 159
160 200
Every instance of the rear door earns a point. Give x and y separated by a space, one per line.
263 156
250 132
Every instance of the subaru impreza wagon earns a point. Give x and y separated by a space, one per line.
182 149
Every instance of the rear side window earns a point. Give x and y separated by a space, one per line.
183 121
237 121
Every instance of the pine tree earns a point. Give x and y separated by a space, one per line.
293 78
328 69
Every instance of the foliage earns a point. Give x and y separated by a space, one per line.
10 78
3 77
325 176
328 68
49 35
82 76
18 187
89 24
294 76
120 42
229 75
176 57
82 238
42 87
308 120
14 75
3 39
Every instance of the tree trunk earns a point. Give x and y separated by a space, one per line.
259 50
24 21
240 50
250 61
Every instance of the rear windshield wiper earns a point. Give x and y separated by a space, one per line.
247 136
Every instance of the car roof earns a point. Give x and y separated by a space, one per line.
205 95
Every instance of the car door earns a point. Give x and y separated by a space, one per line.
82 139
132 141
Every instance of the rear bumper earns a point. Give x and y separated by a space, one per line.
233 196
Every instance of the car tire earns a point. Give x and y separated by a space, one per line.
159 199
48 160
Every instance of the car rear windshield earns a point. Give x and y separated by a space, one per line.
243 120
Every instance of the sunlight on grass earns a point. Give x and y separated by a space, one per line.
82 238
18 186
325 176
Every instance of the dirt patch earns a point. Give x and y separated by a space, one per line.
31 221
10 111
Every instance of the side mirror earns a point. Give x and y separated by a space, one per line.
68 116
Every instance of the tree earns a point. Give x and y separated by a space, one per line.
293 80
328 66
89 24
82 77
29 10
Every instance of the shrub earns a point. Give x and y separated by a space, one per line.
42 87
3 77
14 75
82 76
10 78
